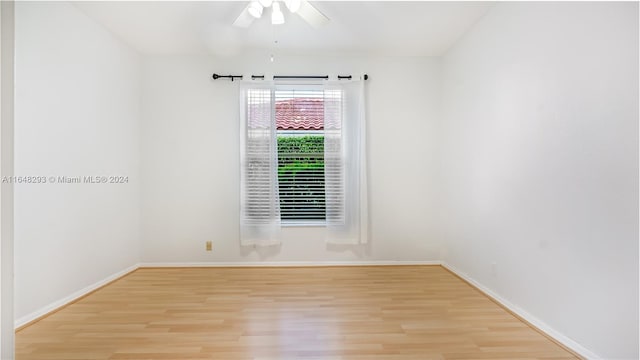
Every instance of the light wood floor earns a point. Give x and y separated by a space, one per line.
387 312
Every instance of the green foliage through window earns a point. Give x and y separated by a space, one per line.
301 177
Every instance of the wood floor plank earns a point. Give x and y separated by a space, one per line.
402 312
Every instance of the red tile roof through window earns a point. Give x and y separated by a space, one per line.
300 114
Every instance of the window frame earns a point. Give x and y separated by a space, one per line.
297 86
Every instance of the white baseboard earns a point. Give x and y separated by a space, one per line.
542 326
288 263
68 299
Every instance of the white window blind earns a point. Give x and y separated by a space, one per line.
334 156
260 212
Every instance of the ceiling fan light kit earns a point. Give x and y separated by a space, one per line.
277 17
256 8
302 8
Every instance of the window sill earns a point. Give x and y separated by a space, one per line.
299 223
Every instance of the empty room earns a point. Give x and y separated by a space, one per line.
320 180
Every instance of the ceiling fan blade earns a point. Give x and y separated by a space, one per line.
245 19
312 15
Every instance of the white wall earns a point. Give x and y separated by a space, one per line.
540 165
77 113
7 22
190 159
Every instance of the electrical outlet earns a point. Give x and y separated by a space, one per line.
209 245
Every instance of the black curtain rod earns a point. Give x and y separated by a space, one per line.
253 77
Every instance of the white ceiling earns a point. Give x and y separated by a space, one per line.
361 27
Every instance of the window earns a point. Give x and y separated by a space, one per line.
301 169
286 174
302 160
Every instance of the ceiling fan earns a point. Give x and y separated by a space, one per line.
256 8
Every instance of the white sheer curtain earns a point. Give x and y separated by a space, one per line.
260 204
346 163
